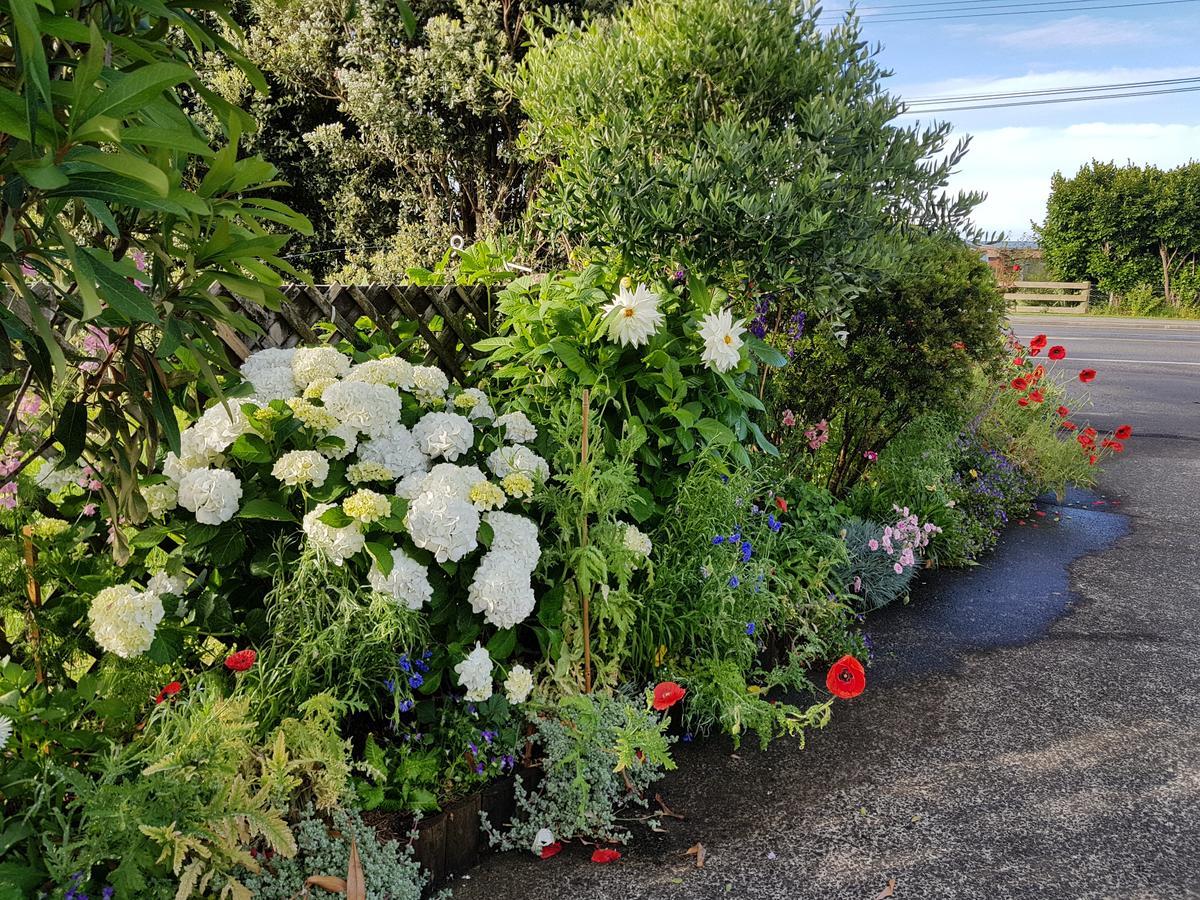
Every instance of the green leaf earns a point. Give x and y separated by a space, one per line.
765 353
502 644
262 508
382 555
71 431
167 646
149 537
116 288
42 173
335 517
406 15
252 448
125 163
571 358
129 91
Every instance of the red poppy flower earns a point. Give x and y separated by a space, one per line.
551 849
846 678
1039 372
1037 342
1070 426
240 661
169 691
1123 432
667 694
1092 460
1036 396
1019 384
1017 361
1087 376
1115 446
1085 441
781 503
1063 411
1016 268
605 855
959 345
1058 351
1089 431
1023 401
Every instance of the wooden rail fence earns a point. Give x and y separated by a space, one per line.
1049 296
446 320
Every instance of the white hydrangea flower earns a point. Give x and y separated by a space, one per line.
373 409
636 541
517 428
6 731
301 467
52 478
270 374
212 494
339 544
312 416
515 536
162 583
450 480
475 674
311 363
501 590
407 583
219 427
429 384
397 450
349 438
316 389
160 499
484 496
444 434
475 404
633 316
517 687
366 506
390 370
444 525
518 458
722 340
124 619
411 486
364 472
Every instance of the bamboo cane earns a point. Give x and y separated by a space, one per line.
587 618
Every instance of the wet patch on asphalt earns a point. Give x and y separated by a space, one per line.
1011 598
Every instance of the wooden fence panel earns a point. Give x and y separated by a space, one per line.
1049 296
448 319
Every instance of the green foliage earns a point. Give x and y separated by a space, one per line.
601 754
1124 227
872 572
118 219
912 346
735 137
323 848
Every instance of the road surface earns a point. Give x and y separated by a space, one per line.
1031 728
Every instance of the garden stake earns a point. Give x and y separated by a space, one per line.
587 626
35 599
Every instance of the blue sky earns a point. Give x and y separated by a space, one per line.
1015 150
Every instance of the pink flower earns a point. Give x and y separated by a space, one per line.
899 569
870 455
30 406
873 544
789 418
90 509
94 485
8 495
858 584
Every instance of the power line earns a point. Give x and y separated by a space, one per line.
1009 10
897 9
1048 100
1008 95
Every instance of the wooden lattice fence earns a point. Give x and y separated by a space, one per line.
446 320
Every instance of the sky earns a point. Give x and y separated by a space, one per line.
1014 151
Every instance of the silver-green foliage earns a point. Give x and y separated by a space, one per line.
878 583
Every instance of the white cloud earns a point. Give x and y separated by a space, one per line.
1076 31
1013 165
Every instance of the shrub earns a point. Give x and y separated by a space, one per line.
871 572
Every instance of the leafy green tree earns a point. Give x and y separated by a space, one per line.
118 218
393 134
734 136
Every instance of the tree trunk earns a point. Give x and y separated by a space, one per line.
1166 267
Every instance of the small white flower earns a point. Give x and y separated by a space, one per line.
633 316
636 541
397 450
444 434
301 467
722 340
429 384
475 674
162 583
366 506
390 370
515 536
270 373
212 494
517 686
407 583
338 543
517 428
6 731
475 404
373 409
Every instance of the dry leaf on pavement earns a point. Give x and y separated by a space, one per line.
889 891
697 850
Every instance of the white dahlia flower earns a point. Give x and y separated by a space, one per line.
124 619
429 384
301 467
160 499
407 583
445 526
311 363
397 450
212 494
518 458
338 543
636 541
515 536
501 590
475 674
633 316
518 684
444 434
390 370
517 428
722 340
370 408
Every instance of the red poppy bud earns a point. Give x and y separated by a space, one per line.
781 503
169 691
666 695
846 678
1092 460
1070 426
1017 361
1058 351
1023 401
1087 376
1063 411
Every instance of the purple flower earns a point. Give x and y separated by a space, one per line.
719 539
389 685
751 628
415 681
747 551
405 705
733 581
488 736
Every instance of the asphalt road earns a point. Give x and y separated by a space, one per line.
1031 727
